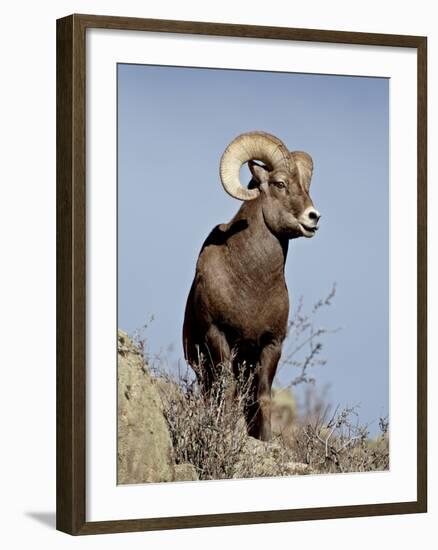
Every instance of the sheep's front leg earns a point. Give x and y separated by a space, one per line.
259 412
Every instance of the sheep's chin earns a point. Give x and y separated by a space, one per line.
307 232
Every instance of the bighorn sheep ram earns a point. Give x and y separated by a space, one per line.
238 306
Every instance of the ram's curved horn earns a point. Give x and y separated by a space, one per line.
304 164
251 146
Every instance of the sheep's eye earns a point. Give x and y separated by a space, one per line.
280 184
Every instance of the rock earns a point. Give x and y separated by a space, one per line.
268 459
284 411
185 472
144 446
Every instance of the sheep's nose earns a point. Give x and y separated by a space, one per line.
314 215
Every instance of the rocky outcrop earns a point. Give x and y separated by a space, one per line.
144 447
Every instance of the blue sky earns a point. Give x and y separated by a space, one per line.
173 125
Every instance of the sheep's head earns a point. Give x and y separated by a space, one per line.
281 183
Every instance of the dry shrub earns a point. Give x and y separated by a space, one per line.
339 443
327 443
304 343
207 428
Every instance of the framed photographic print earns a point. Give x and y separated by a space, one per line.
241 274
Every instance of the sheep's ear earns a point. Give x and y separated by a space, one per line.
259 172
304 164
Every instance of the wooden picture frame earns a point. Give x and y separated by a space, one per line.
71 273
